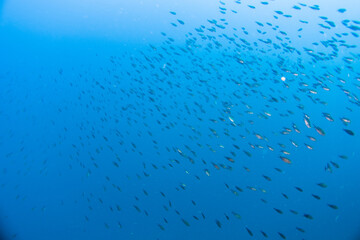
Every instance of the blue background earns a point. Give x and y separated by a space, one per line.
96 105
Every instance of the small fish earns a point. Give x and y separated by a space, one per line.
218 223
319 130
328 168
348 131
249 231
300 229
316 196
323 185
161 227
278 211
185 222
335 164
264 234
236 215
285 159
328 117
333 206
308 146
345 121
294 212
230 159
282 235
307 121
267 178
181 22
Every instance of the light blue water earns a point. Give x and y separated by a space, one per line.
168 120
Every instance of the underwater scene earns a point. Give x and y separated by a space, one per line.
180 119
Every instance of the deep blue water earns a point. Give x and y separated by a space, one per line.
179 119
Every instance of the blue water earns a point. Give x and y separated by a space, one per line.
171 119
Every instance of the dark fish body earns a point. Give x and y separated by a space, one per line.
348 131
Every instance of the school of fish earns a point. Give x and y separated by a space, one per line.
230 114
